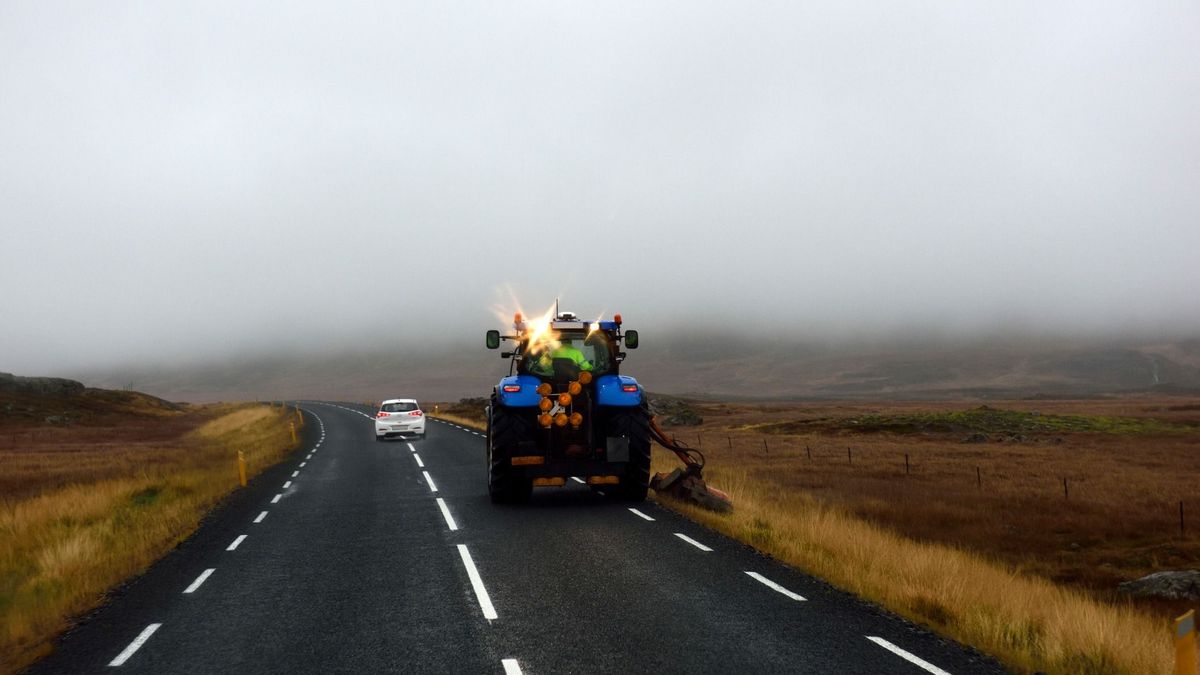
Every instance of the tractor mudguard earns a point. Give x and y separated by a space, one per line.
610 390
525 397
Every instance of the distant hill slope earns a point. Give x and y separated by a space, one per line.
37 401
708 364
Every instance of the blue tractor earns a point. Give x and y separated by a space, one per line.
565 411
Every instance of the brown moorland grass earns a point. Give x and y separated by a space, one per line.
997 558
88 506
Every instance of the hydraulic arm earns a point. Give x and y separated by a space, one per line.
686 484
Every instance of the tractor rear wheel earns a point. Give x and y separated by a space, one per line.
634 424
506 430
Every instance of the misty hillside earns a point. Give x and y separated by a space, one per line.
711 365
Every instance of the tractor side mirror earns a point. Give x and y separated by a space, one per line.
631 339
493 339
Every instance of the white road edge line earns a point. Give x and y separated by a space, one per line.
641 515
260 517
511 667
774 586
411 448
135 645
577 479
199 580
907 656
419 462
693 542
236 542
446 512
276 498
485 603
429 479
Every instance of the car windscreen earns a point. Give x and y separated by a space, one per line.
405 406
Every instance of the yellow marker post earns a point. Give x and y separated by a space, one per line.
242 467
293 426
1185 644
300 416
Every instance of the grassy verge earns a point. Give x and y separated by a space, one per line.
63 548
1029 623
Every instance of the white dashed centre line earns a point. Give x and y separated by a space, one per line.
429 479
199 580
511 667
577 479
419 462
907 656
260 517
295 473
302 464
411 448
276 498
236 542
446 513
693 542
135 645
485 603
641 515
774 586
287 485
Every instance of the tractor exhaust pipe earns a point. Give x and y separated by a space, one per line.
687 484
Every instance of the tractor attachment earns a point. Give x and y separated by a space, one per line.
687 484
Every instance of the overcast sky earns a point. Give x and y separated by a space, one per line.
189 181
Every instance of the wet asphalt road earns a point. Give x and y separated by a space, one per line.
388 557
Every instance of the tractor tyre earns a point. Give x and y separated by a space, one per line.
634 424
506 429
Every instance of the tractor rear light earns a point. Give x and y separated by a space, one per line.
564 400
545 420
545 405
415 413
512 388
560 419
585 377
544 389
576 419
631 388
574 388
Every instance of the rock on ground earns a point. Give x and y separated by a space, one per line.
1172 585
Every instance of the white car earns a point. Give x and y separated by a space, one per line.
397 417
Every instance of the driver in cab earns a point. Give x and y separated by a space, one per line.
544 364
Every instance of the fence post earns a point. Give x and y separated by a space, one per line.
242 468
906 464
730 439
1066 493
849 457
978 479
765 449
300 416
1181 517
293 427
1185 644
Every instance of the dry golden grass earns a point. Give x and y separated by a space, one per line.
63 546
1029 623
